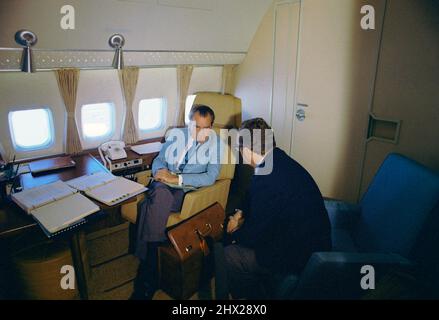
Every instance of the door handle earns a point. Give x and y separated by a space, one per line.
301 115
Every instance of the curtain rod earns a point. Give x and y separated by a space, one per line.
111 68
125 50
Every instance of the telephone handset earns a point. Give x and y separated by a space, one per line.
112 150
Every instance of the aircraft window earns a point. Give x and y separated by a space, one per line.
189 103
31 129
152 114
98 120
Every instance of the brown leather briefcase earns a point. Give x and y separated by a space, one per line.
184 268
181 279
192 235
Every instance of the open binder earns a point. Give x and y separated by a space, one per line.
107 188
56 207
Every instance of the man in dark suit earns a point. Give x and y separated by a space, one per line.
282 222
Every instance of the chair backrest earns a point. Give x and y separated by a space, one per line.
228 112
227 108
396 206
228 167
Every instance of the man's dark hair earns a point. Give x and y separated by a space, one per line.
203 111
257 145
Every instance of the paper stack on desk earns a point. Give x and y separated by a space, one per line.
147 148
107 188
55 206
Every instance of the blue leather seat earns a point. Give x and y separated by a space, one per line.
395 226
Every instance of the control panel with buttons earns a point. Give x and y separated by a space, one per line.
126 164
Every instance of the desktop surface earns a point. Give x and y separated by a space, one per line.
85 164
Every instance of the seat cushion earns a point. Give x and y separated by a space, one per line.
343 216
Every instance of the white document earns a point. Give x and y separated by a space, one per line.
91 181
39 196
147 148
63 213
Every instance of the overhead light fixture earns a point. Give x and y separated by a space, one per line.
116 42
26 39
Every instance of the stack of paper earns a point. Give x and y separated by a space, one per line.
147 148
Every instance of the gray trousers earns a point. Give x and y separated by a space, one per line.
153 215
245 277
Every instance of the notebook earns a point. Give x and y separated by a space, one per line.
107 188
147 148
56 207
51 164
64 213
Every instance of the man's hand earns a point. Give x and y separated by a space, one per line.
235 222
164 175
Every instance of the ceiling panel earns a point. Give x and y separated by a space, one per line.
175 25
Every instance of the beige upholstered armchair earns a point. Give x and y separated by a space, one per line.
227 110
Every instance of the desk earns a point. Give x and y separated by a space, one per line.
13 220
85 164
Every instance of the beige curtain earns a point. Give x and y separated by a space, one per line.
128 80
228 78
68 86
184 74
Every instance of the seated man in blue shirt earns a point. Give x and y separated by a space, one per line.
190 157
282 222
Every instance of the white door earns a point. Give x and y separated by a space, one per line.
286 33
336 71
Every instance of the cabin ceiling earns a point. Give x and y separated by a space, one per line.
174 25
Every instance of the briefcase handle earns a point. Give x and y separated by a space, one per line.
204 234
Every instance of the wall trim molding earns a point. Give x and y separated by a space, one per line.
102 59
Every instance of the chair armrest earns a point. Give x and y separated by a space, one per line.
203 198
338 275
129 210
193 203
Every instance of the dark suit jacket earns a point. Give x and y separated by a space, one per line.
285 217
